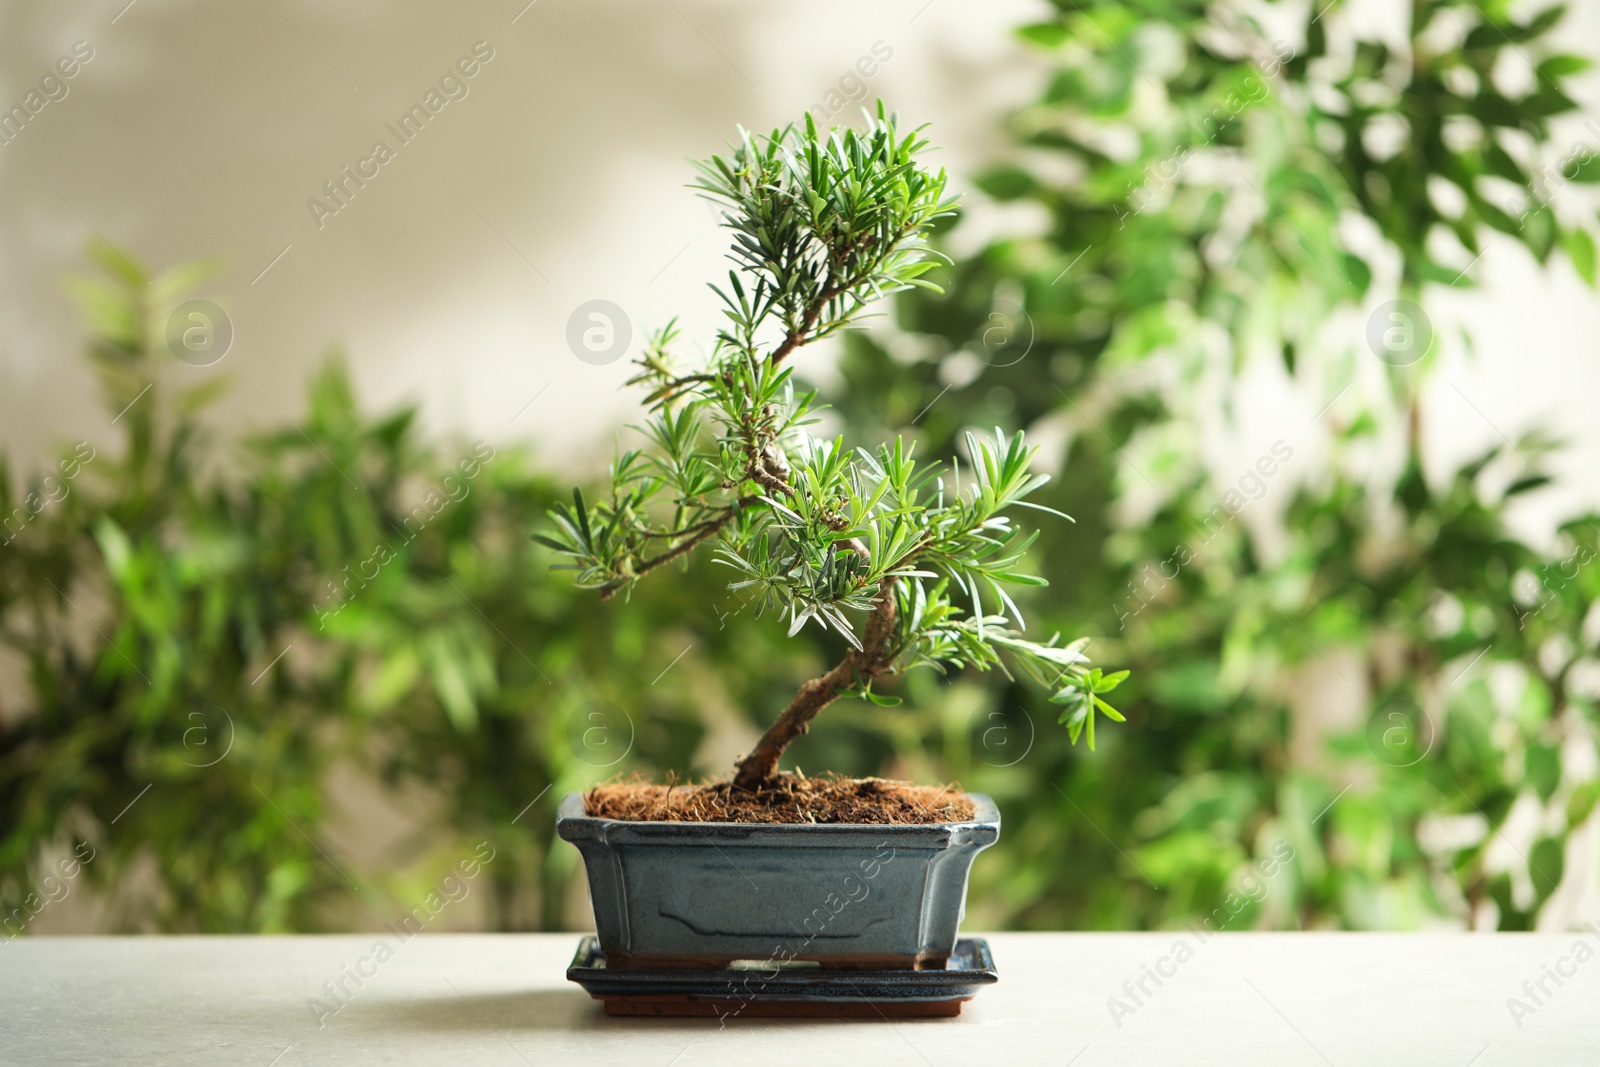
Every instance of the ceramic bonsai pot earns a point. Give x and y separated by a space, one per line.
848 896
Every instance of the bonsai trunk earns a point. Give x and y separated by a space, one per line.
872 660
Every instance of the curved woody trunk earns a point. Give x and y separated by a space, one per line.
872 660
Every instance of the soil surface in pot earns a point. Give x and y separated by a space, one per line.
790 798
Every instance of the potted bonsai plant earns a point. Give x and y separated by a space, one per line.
908 563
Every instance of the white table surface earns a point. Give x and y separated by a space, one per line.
1242 999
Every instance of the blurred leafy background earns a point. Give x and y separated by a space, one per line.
1347 647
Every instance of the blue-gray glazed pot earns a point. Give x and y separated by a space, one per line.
848 895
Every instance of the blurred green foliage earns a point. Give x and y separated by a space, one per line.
1346 649
1345 646
209 632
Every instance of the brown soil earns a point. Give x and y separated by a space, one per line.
791 798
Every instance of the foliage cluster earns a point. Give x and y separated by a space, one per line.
824 222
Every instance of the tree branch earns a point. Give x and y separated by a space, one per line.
697 534
797 336
873 660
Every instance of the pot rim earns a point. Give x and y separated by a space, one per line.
985 815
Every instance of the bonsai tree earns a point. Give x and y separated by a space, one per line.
907 562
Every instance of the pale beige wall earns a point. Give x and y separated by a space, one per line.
202 129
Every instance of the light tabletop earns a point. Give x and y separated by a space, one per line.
1237 999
